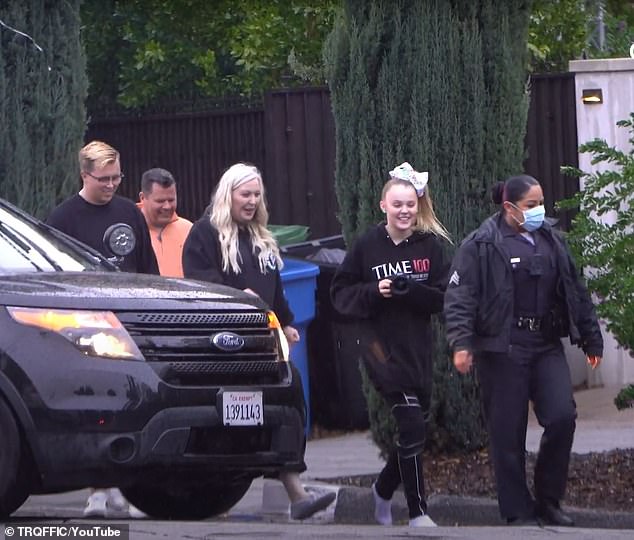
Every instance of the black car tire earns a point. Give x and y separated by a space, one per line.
13 487
187 502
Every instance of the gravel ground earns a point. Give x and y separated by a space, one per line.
597 480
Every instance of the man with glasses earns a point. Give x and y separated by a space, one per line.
87 215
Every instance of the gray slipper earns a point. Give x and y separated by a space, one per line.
305 508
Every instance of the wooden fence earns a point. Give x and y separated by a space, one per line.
290 137
195 147
551 137
300 159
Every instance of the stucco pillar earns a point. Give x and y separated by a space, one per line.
614 78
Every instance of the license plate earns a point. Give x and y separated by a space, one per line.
242 409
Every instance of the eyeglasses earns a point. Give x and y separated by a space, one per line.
114 178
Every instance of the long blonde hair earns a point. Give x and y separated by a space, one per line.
426 220
264 245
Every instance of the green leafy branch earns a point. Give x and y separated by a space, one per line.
602 236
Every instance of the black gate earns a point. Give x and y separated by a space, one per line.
291 138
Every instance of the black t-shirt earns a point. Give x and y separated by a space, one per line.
88 222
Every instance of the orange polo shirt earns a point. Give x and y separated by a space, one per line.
168 245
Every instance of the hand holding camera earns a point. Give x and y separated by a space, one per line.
385 288
396 285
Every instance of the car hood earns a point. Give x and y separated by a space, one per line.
119 291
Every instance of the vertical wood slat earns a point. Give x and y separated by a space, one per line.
300 159
551 137
276 177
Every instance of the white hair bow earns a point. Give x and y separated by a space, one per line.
406 172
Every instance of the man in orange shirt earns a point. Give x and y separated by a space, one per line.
167 230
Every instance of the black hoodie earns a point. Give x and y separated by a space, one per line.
396 332
202 259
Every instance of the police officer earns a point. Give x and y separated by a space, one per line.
513 293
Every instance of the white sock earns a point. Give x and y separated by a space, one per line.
382 508
422 521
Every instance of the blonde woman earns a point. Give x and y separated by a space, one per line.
231 245
392 280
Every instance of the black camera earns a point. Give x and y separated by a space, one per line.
400 285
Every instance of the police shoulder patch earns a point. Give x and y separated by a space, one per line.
455 278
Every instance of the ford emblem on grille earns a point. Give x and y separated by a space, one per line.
228 341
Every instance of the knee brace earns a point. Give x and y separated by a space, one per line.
410 420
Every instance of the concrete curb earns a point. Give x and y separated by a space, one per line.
355 506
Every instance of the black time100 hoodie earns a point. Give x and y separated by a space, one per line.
396 335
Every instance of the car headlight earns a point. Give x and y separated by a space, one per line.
274 323
95 333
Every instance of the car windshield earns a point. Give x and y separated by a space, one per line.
29 245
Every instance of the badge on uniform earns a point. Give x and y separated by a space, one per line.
515 261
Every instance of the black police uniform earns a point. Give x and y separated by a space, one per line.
534 369
509 299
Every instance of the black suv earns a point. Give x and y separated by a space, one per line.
177 391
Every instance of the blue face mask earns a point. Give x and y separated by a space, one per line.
533 218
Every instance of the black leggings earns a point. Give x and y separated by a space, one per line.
405 463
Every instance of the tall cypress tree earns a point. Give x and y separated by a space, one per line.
42 94
440 84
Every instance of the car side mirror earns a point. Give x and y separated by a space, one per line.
119 240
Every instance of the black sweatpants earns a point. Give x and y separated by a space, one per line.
406 462
535 371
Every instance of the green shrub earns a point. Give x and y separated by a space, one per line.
625 398
42 93
440 84
602 238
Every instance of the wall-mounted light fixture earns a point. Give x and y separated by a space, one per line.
592 96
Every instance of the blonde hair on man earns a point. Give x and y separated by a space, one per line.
264 245
95 155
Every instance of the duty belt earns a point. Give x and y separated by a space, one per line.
532 324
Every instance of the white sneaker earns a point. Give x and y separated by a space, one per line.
116 500
422 521
382 508
96 504
305 508
135 513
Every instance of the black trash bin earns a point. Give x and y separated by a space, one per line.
337 400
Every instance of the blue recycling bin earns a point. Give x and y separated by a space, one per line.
299 279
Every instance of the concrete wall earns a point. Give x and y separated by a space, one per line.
615 78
